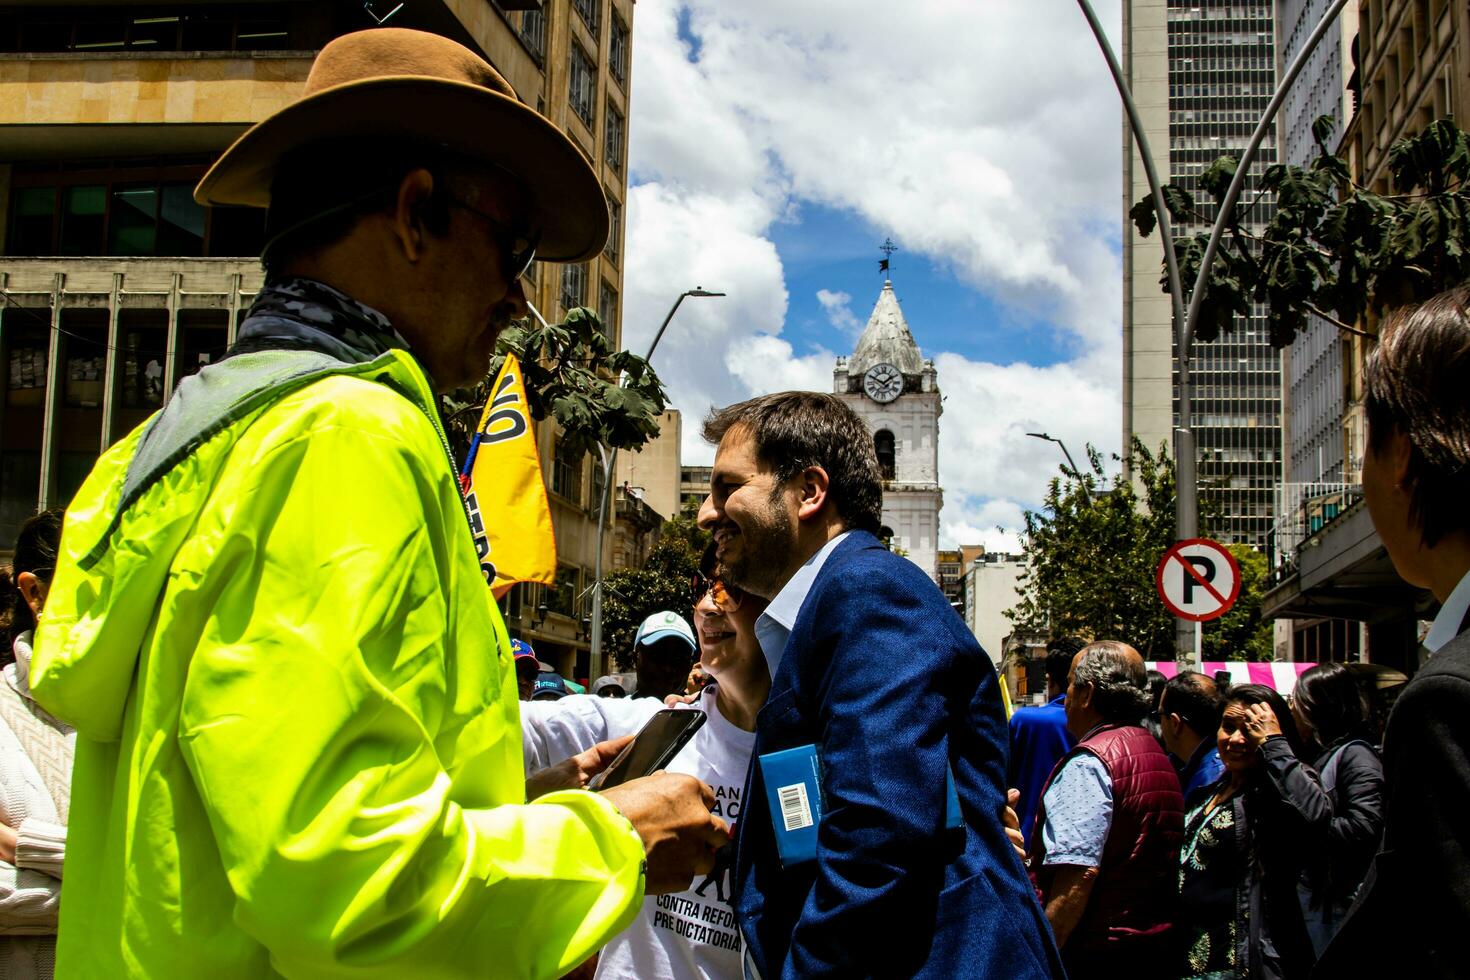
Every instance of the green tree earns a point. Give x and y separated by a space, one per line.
1241 634
633 594
1092 552
1333 248
572 373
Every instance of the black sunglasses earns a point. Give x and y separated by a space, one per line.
517 248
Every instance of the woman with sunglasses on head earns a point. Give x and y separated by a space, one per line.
1239 915
691 934
35 768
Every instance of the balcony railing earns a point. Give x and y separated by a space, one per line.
1305 509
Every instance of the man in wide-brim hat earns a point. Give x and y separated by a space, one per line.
298 744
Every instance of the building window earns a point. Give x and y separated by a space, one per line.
573 286
614 229
617 50
591 13
612 143
582 86
108 28
533 33
563 598
566 473
883 443
142 211
598 487
607 308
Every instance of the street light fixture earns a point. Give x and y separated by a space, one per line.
609 456
1075 471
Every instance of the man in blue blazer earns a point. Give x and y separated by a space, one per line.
871 665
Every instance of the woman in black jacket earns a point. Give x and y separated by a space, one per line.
1239 912
1330 714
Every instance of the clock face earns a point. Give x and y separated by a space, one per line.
883 383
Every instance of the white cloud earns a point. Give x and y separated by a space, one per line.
995 523
982 134
838 307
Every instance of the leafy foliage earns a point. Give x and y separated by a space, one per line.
633 594
1332 248
1241 634
572 374
1090 564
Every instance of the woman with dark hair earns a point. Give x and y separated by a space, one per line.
691 936
1239 914
35 767
1329 711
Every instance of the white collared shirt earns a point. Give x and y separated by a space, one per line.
773 628
1447 624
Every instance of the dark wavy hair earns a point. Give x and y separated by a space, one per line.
1329 696
1059 655
792 430
35 552
1417 382
1261 694
1118 678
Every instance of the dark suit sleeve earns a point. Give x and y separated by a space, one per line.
890 656
1427 763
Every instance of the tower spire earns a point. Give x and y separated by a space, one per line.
887 248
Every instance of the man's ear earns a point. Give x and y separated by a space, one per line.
1400 447
814 486
407 220
1084 694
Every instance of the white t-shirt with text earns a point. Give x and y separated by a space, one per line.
690 934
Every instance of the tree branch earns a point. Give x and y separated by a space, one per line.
1336 322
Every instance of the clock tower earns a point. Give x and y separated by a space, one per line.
895 390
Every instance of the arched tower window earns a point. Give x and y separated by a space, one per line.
883 443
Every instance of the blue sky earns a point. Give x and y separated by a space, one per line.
825 248
775 145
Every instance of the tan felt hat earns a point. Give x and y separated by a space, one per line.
396 87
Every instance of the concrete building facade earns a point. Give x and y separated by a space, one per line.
888 382
991 586
1202 73
1408 66
114 284
652 473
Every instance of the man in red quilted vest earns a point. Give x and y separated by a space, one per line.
1105 850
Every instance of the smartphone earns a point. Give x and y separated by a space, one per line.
652 748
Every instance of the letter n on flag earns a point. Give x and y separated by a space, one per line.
504 490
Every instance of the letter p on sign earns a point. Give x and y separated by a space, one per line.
1198 579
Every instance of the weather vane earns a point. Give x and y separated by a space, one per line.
887 248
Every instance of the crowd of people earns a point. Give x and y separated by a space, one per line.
306 746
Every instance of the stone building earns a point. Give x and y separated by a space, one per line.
896 391
1202 73
114 284
1407 66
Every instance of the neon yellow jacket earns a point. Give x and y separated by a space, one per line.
299 747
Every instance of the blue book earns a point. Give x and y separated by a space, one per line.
793 779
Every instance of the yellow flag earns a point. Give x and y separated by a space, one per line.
504 491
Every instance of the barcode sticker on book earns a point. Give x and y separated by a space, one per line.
796 809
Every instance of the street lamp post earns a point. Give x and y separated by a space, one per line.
609 457
1075 471
1186 459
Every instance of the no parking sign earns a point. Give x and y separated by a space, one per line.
1198 579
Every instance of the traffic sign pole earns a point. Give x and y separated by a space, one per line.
1198 580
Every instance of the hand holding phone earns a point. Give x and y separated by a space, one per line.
652 749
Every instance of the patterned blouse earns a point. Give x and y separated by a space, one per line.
1209 874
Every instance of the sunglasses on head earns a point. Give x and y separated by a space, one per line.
726 597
